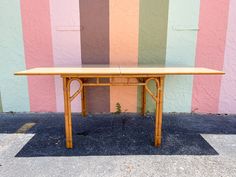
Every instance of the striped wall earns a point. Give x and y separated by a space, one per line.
165 33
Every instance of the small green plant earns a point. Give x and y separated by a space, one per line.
118 108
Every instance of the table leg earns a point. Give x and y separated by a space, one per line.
67 107
159 109
143 100
83 101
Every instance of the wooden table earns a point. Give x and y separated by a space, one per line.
142 74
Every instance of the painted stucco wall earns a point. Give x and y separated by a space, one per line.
70 33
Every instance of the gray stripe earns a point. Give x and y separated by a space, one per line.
94 20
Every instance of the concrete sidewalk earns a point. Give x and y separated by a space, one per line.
117 145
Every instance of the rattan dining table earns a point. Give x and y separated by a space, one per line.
131 75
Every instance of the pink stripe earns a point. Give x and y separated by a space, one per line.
38 52
210 53
228 84
66 43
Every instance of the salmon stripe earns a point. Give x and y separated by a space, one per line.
124 25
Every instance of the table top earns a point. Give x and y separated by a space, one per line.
119 70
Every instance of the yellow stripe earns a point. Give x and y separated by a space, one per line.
24 128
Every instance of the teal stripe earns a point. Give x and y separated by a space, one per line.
181 46
14 90
152 38
0 103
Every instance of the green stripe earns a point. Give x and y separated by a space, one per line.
181 45
152 38
1 110
14 90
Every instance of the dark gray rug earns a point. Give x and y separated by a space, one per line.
125 134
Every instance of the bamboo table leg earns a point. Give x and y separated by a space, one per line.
67 107
143 100
159 110
83 101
